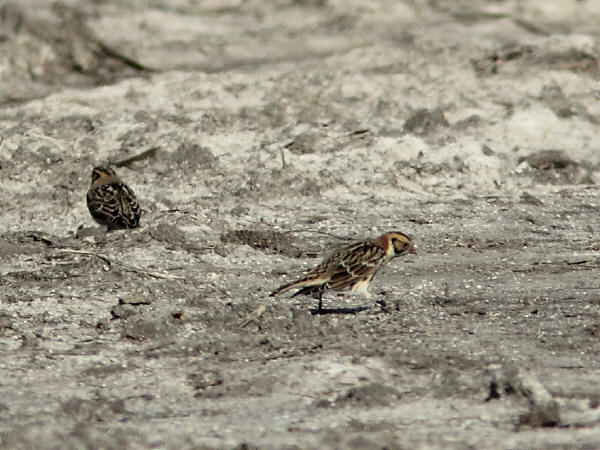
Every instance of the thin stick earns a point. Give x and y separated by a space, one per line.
123 58
253 316
145 154
127 266
283 163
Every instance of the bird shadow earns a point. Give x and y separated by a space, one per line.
350 310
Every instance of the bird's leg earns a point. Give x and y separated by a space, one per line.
320 302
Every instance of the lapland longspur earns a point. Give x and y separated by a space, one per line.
111 202
352 268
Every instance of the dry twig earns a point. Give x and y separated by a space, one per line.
127 161
253 316
131 267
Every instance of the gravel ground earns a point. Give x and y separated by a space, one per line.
258 136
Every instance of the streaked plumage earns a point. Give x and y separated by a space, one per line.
111 202
352 268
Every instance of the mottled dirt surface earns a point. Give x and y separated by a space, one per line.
280 130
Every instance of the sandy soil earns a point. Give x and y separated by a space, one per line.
280 130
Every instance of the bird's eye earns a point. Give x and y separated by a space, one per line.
400 246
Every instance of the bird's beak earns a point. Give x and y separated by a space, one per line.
412 251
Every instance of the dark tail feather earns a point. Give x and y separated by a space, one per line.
281 289
314 291
307 290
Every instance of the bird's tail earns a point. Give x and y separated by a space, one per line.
282 289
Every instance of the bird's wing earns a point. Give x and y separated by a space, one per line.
129 207
102 201
114 203
356 264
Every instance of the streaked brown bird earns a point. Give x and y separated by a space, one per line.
352 268
111 202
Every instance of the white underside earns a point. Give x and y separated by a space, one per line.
361 288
